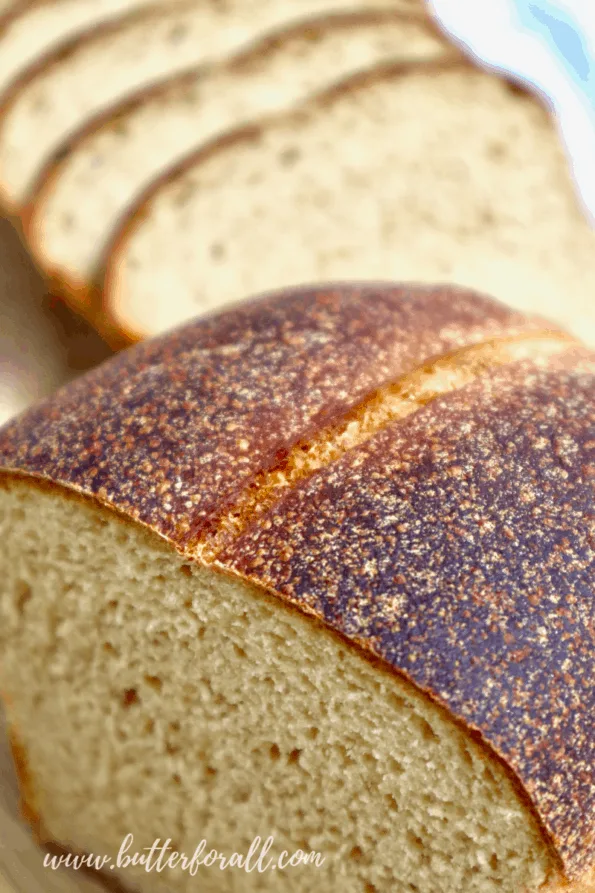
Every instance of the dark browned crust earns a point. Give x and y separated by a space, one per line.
480 588
61 51
453 531
216 419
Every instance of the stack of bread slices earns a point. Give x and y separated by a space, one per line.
166 157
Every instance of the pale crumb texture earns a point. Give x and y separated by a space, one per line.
433 176
123 154
44 25
169 701
101 72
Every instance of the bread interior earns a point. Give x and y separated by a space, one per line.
163 699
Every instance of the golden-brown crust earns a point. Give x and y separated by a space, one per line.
170 433
27 804
463 555
175 429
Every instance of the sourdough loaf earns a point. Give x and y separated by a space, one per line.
320 567
112 64
430 172
114 159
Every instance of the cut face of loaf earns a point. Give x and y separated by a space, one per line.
117 158
110 66
331 581
367 182
32 30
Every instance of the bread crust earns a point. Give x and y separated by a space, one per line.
382 546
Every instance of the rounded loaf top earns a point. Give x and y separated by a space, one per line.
413 466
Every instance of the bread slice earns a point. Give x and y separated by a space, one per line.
440 171
7 7
34 30
116 158
316 568
48 107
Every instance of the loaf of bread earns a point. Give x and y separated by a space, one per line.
375 180
115 62
318 567
112 161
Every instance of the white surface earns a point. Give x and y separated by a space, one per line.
548 44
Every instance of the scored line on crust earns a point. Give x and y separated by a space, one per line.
433 379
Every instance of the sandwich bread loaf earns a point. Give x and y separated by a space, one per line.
110 65
425 172
114 162
318 567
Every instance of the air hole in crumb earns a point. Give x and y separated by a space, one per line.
23 595
171 749
186 570
130 697
210 771
150 726
113 603
370 888
177 33
176 778
489 775
415 841
392 803
313 732
289 156
201 632
107 646
294 756
494 862
154 681
275 752
426 730
242 796
239 650
467 756
398 702
184 194
356 853
217 251
174 726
